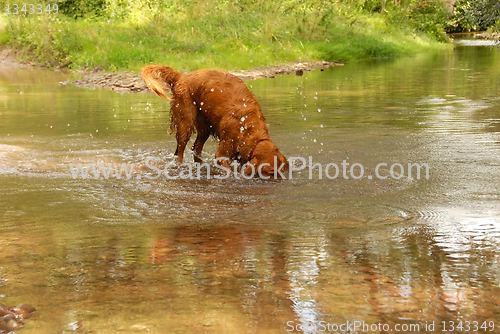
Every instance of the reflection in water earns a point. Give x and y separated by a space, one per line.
238 256
477 42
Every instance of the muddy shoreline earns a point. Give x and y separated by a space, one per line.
127 82
486 35
8 59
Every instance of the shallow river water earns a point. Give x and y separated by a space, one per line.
311 254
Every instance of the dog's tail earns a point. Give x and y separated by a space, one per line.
160 79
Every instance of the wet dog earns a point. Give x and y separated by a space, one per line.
217 103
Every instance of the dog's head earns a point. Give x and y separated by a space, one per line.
267 161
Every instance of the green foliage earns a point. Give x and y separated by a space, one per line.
82 8
46 48
474 15
190 34
496 27
430 16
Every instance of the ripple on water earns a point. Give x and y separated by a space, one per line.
459 232
453 114
7 158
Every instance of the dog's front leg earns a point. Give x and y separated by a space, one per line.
224 154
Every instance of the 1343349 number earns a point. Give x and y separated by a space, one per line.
468 326
30 9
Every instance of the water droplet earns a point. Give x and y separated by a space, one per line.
212 90
244 104
201 103
241 129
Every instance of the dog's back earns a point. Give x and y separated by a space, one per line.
223 99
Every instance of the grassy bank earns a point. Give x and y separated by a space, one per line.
204 33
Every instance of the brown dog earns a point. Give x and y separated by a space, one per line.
217 103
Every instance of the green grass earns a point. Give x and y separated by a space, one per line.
200 34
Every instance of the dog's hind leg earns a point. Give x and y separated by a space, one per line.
183 117
203 132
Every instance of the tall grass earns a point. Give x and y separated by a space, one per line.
192 34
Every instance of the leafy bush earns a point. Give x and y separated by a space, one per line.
82 8
430 16
474 15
